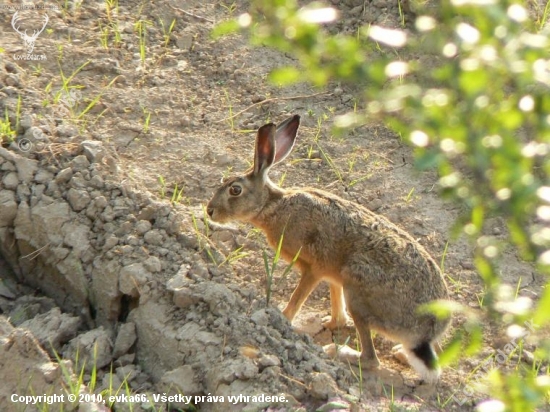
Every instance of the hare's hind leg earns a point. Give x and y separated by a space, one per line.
367 358
339 317
359 312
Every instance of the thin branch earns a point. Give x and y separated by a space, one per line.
191 14
274 99
293 380
36 253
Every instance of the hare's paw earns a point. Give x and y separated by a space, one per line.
400 354
347 354
332 323
342 352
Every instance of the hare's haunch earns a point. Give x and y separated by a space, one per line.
374 268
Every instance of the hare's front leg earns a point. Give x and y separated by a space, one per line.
308 282
339 316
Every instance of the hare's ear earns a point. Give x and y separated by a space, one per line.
285 136
265 149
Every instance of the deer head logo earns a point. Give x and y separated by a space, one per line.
29 40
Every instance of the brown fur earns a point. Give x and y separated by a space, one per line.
384 274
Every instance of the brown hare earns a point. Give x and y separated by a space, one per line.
374 268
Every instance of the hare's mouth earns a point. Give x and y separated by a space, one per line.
215 215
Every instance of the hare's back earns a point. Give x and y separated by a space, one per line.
347 233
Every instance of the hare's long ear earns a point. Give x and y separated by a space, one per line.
265 149
285 136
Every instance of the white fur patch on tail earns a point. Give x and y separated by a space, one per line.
430 376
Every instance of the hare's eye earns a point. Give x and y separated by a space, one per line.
235 190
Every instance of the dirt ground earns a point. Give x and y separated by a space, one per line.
174 112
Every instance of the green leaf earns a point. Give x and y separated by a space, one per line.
543 309
284 76
225 28
452 351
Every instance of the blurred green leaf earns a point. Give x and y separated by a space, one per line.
284 76
225 28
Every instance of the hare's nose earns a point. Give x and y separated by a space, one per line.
210 211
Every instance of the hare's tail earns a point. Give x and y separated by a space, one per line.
424 360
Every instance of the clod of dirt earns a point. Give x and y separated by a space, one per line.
53 329
322 386
92 349
180 380
125 339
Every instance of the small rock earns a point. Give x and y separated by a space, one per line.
7 289
53 328
67 130
78 199
132 278
11 181
375 204
93 150
184 41
43 176
127 373
127 359
143 226
125 339
180 380
79 163
64 176
97 182
111 380
322 386
154 237
78 181
334 405
260 317
269 360
152 264
179 281
26 121
8 208
108 214
101 202
110 242
222 236
93 346
76 236
184 297
12 80
50 371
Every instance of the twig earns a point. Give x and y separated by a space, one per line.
36 252
191 14
383 157
274 99
293 380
